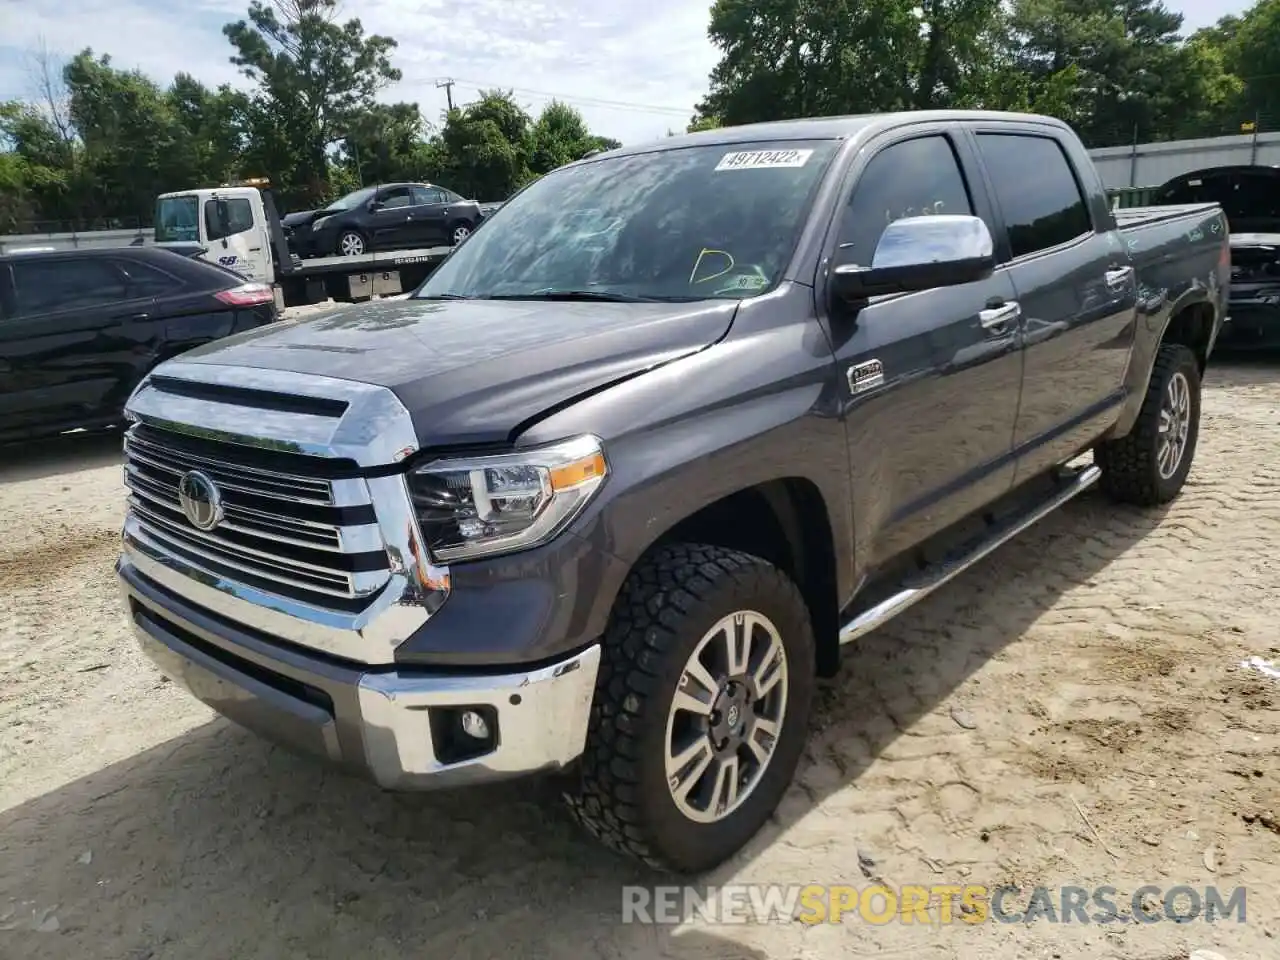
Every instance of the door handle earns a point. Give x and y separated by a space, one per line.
1117 278
995 319
255 249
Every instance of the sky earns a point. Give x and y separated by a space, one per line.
634 68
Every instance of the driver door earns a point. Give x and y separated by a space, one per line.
931 381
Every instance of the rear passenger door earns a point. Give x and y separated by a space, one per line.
429 212
1072 280
60 341
933 441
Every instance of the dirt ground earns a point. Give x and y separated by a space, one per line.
1071 712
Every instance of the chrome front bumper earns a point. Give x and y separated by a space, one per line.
379 723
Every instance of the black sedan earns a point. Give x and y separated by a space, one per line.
392 216
80 328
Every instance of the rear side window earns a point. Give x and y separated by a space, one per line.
236 216
45 286
148 281
913 178
1036 189
428 195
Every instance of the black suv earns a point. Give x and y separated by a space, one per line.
80 328
388 217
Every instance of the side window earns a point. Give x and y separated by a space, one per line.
396 197
238 217
148 281
912 178
64 284
428 195
1036 189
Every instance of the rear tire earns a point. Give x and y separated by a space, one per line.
1150 465
733 753
459 232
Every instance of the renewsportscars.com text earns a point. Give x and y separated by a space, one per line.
935 903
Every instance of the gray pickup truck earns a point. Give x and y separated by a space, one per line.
609 491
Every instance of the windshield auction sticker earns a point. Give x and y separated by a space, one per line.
759 159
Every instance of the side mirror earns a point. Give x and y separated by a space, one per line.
375 205
919 253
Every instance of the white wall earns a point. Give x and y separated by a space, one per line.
1154 163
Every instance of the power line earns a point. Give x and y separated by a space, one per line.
574 98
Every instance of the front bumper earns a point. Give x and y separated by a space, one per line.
396 727
1253 319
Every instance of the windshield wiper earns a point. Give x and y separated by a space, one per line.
444 296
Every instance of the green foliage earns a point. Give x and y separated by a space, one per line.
1112 68
101 142
107 141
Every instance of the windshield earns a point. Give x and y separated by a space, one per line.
352 199
177 219
679 224
1250 201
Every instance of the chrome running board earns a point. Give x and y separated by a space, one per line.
929 580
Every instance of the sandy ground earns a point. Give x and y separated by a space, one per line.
1071 712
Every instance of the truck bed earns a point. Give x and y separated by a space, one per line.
1129 217
366 262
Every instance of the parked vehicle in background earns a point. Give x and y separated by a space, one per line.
1250 199
613 487
237 226
79 329
386 217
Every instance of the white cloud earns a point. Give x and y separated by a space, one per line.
635 69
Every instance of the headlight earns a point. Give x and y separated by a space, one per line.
482 506
316 223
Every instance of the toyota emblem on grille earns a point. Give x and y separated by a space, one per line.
200 499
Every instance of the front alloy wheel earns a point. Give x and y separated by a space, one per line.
351 244
701 707
726 716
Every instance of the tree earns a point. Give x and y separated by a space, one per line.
1251 44
315 77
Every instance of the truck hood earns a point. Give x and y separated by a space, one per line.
299 218
473 371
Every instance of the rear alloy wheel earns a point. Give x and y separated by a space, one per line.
460 233
1150 465
701 708
350 244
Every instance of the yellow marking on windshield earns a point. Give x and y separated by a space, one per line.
702 255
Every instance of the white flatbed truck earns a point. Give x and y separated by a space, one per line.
238 227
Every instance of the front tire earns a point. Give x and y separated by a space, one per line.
1150 465
351 243
701 708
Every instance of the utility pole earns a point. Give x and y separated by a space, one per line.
448 91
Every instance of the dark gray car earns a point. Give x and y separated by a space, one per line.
392 216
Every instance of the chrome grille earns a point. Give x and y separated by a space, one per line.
308 538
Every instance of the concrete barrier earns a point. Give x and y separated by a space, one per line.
15 242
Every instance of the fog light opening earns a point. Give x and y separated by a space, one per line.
464 732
